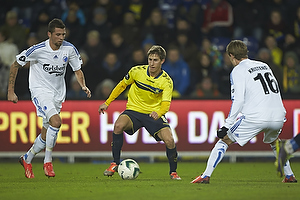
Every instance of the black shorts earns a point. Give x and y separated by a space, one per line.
140 120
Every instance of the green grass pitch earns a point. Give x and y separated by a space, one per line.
246 180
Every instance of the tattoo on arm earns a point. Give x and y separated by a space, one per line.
12 75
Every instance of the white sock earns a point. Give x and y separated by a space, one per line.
38 145
215 157
287 167
289 147
51 137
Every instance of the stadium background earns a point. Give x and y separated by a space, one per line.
86 134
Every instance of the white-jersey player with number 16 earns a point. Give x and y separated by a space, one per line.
48 62
256 107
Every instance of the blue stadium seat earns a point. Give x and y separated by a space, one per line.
220 43
252 45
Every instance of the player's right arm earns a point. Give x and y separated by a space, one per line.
11 96
113 95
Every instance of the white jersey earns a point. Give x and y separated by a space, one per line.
48 67
254 93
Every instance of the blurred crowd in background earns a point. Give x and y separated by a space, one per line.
114 35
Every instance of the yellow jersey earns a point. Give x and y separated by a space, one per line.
146 93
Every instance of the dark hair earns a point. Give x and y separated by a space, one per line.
158 50
238 49
55 23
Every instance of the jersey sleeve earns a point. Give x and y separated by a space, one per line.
129 77
237 96
167 90
25 57
75 60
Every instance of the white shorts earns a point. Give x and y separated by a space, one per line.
242 131
45 106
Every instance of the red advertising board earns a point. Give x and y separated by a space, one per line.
194 124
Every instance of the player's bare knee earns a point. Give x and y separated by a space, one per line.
227 140
56 124
169 143
274 142
118 128
55 121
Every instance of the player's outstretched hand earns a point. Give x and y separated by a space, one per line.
87 91
102 108
11 96
154 115
222 132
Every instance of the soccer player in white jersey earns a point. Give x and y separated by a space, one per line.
48 62
256 107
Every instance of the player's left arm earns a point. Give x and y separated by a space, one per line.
166 100
237 97
81 80
164 108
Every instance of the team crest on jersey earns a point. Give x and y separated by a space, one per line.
65 58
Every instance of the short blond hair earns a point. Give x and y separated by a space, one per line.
238 49
158 50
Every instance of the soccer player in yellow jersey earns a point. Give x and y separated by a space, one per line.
149 100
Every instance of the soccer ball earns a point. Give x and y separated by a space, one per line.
128 169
